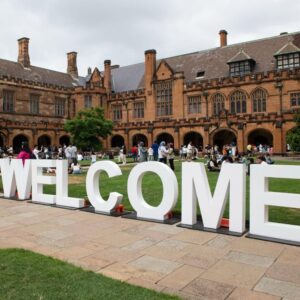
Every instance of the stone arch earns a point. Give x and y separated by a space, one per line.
139 137
223 137
44 140
166 137
17 142
64 140
260 136
194 137
117 141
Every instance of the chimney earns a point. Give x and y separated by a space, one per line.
107 75
223 38
72 64
23 56
150 68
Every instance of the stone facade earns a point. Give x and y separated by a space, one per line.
193 97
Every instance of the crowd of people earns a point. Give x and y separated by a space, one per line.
162 152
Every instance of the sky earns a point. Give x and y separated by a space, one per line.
121 30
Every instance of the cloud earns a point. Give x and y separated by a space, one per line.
123 30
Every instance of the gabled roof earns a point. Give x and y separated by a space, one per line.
287 48
37 74
240 56
212 61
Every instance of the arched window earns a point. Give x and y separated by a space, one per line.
218 101
259 98
238 102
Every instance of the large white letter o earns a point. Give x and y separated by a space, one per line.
135 195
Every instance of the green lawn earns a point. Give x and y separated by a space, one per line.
27 275
152 190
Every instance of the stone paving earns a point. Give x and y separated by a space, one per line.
190 264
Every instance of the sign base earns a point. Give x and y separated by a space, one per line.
221 230
91 209
274 240
133 216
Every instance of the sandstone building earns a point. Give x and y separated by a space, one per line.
243 93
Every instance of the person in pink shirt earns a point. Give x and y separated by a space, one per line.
25 152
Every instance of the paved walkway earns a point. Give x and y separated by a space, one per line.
191 264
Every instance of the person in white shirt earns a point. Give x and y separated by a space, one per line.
36 152
162 152
150 154
189 152
79 156
75 167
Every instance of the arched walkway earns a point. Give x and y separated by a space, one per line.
44 140
17 142
64 140
139 138
117 141
260 136
166 137
224 137
195 138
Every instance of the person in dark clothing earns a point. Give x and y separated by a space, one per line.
155 150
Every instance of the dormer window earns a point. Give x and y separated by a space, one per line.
288 61
200 74
241 64
288 57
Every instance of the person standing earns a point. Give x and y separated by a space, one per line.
25 152
36 151
150 154
162 152
143 152
155 150
123 155
171 156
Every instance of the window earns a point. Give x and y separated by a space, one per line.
238 103
194 104
200 74
59 106
259 100
240 68
295 99
87 101
117 112
34 104
138 110
164 105
218 101
8 101
286 61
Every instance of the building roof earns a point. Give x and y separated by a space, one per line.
240 56
39 75
212 61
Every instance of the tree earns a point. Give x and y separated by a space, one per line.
293 136
87 127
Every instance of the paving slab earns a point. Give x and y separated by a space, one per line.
279 288
189 263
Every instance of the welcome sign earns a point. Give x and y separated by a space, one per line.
195 193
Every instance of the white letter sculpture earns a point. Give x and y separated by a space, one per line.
15 177
261 198
135 195
38 180
62 198
195 185
93 190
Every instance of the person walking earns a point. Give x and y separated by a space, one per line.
143 152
